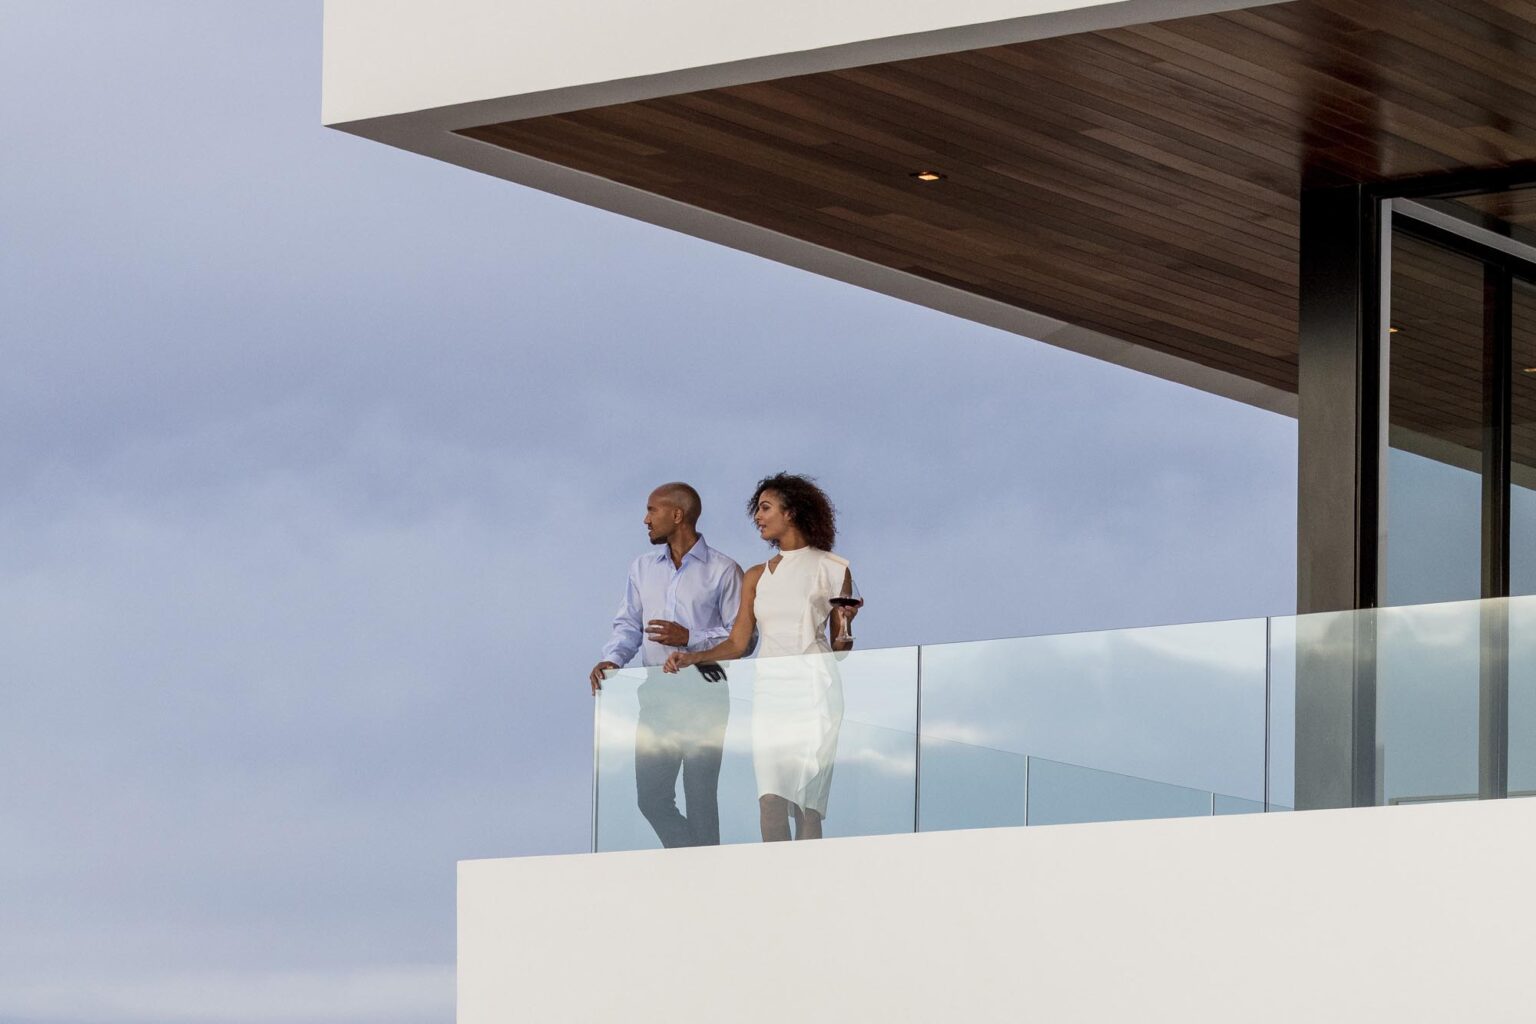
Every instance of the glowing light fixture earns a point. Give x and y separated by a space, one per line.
1530 370
1391 330
928 176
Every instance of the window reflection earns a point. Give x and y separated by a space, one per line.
1435 414
1522 511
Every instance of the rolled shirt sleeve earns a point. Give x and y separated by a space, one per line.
729 592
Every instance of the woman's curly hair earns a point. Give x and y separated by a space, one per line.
808 506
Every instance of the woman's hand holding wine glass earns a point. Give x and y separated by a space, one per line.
844 607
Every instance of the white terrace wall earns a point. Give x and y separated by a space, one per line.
1401 914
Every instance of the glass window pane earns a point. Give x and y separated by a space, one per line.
1435 414
1522 510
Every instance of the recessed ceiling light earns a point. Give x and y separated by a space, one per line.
927 175
1391 330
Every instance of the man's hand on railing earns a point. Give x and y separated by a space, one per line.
596 678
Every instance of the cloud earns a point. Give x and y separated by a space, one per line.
406 993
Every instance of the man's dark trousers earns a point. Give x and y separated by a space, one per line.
681 727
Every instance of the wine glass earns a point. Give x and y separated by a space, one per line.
850 598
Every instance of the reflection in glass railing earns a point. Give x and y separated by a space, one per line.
965 785
802 747
1427 678
1428 664
1069 794
1185 704
1522 695
1137 723
1223 804
1280 742
1009 789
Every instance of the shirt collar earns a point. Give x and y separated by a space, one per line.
700 551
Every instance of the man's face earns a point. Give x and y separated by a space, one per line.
661 519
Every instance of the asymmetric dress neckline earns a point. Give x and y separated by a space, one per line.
782 556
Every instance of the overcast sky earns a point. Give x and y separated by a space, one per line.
322 467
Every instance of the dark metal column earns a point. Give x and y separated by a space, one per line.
1345 250
1493 690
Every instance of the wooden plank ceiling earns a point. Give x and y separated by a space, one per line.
1523 389
1141 182
1516 207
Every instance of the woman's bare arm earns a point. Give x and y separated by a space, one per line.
733 646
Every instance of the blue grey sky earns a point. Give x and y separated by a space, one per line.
323 463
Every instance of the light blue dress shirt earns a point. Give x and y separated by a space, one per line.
702 595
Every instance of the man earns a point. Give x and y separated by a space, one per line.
686 595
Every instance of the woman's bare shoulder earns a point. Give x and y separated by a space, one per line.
755 573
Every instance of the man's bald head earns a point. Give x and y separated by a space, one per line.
682 497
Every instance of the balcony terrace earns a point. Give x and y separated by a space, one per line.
1156 722
1409 913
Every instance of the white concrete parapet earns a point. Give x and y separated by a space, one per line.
1401 914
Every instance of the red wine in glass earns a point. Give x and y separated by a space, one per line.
852 599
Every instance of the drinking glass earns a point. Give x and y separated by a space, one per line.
849 598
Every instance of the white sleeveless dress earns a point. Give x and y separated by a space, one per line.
797 697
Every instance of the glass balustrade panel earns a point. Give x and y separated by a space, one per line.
1425 663
1280 775
1160 722
1223 804
1428 665
1428 668
1067 794
970 786
740 752
1522 696
1181 705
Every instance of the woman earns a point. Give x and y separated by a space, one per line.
797 701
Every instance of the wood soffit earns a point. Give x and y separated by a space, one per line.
1142 181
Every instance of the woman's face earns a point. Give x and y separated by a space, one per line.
772 519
